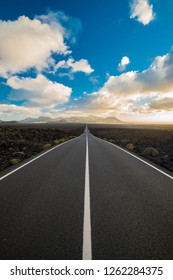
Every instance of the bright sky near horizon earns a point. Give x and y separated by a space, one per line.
87 57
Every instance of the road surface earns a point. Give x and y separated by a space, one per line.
86 199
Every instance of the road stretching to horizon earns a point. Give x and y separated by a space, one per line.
86 199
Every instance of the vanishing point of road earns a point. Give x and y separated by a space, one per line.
86 199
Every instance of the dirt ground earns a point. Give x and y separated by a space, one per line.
160 137
18 142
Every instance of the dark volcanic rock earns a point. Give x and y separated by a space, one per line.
22 141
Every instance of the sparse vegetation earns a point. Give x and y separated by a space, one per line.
130 147
61 140
15 161
46 146
156 137
151 152
21 141
56 142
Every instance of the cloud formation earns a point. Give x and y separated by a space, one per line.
69 26
142 11
94 80
123 63
162 104
75 66
26 43
147 91
39 91
14 112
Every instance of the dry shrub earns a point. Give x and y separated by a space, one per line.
130 147
150 151
46 146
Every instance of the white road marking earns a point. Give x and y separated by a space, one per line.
87 247
23 165
159 170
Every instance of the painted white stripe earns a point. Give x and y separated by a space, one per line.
87 247
23 165
154 167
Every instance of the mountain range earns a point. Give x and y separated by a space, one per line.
77 119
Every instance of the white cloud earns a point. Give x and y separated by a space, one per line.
158 78
80 66
26 43
60 64
75 66
39 91
14 112
142 11
64 74
69 26
94 80
123 64
162 104
144 92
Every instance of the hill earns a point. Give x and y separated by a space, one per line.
77 119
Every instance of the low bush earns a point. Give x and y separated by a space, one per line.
56 142
61 140
150 151
15 161
46 146
130 147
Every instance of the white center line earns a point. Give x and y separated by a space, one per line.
87 247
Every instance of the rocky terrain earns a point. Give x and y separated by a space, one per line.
18 142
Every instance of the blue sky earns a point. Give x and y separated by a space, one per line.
105 58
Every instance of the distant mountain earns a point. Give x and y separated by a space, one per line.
77 119
90 119
41 119
112 120
8 122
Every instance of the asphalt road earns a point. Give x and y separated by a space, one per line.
55 207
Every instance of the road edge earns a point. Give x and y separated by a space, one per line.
137 157
36 157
